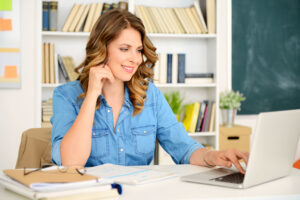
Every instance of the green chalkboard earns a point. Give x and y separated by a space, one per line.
266 54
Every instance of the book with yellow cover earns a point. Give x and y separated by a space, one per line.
188 116
195 114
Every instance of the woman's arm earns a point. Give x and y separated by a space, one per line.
76 145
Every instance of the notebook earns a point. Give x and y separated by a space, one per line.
271 157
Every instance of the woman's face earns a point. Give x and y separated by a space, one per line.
125 54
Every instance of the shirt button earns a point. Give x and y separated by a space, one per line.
118 130
121 149
145 131
108 110
94 133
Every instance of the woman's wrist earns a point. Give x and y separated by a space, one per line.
207 164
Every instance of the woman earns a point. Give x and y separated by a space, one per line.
113 114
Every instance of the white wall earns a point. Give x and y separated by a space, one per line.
17 105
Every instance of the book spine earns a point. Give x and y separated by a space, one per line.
204 116
169 68
62 67
181 68
53 16
45 16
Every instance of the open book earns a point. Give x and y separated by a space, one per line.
128 174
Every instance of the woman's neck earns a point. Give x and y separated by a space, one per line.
113 92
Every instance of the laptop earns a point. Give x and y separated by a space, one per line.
271 157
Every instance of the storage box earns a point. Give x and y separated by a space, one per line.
237 137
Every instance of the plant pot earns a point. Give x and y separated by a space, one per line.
228 117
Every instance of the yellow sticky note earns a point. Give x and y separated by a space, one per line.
5 24
6 5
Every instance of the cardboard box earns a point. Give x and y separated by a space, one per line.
237 137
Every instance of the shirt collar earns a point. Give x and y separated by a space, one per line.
127 101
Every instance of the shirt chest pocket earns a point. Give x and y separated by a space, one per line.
144 139
100 143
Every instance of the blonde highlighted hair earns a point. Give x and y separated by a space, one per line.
105 30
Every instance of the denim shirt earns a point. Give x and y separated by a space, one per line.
132 142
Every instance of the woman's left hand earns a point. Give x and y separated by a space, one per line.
226 158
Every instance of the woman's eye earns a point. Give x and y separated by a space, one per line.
123 49
140 50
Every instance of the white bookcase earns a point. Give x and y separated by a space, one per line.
202 55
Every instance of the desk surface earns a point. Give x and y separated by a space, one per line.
172 188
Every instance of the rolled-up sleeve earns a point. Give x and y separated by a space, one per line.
171 134
64 115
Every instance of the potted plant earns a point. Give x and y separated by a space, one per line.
230 102
175 102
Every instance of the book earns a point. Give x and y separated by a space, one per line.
62 68
208 114
193 21
212 118
70 17
179 27
90 189
77 17
181 19
181 68
156 72
47 63
123 5
162 68
204 116
51 63
43 63
70 67
169 68
200 117
211 16
194 118
175 68
45 21
199 18
97 14
90 16
199 75
53 16
188 116
128 174
82 18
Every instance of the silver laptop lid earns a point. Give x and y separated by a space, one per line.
274 146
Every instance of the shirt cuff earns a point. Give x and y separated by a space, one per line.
186 159
55 153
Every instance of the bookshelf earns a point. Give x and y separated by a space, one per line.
202 54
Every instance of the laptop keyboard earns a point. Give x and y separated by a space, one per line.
231 178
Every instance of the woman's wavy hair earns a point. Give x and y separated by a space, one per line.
105 30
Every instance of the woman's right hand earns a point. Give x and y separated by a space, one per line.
97 78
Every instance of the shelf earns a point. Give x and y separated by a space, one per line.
50 85
151 35
197 134
183 85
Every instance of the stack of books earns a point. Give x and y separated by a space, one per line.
55 183
200 117
46 113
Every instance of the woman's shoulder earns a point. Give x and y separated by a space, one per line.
153 92
70 89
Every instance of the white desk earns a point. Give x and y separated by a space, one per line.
172 188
